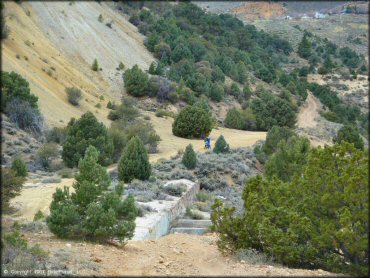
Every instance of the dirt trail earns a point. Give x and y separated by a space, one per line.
308 113
36 197
175 254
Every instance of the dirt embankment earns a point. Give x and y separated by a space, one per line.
259 10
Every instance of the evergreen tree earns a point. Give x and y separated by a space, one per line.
14 86
136 81
350 134
82 133
91 212
192 122
20 167
95 65
189 158
289 158
134 162
216 92
11 185
234 119
304 47
221 145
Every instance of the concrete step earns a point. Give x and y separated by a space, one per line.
190 223
192 231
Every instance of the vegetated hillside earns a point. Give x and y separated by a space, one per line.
54 45
349 30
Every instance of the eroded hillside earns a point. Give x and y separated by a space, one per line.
53 47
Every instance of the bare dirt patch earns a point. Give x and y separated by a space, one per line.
175 254
308 112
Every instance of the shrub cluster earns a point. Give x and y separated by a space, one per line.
318 230
270 110
350 134
19 104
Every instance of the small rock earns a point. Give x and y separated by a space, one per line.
161 261
68 245
97 260
242 262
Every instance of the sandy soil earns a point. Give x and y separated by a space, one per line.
308 112
35 197
175 254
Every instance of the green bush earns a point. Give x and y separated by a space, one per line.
189 158
82 133
38 216
14 86
193 214
46 153
20 167
318 220
57 135
95 65
121 66
91 212
11 185
160 113
350 134
221 146
288 159
66 173
305 47
217 92
74 95
234 119
204 196
274 136
136 82
270 110
134 162
175 189
192 122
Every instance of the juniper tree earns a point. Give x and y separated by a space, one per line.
92 212
221 146
134 162
189 159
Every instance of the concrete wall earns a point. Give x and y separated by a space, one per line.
155 225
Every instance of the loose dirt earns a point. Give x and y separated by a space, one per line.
175 254
308 112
